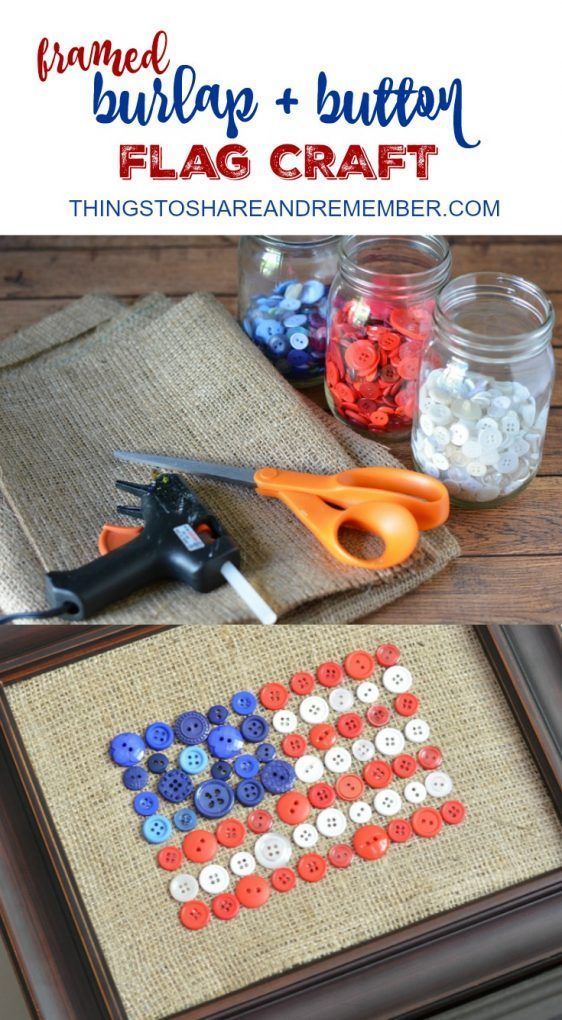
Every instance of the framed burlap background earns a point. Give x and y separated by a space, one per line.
67 717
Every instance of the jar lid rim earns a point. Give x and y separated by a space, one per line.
507 285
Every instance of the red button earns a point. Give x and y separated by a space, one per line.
430 757
259 820
387 655
195 915
378 715
274 696
370 842
230 832
427 822
361 357
399 830
406 704
312 867
329 674
404 766
225 906
323 736
252 891
349 786
169 858
321 795
283 879
350 725
340 855
377 774
453 812
200 846
293 807
302 683
293 744
359 665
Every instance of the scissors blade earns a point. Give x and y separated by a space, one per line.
238 475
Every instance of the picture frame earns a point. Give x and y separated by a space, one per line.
443 960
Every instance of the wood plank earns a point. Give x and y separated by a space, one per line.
101 242
517 528
552 455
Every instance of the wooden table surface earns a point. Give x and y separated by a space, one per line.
510 569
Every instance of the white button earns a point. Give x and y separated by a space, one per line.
438 784
459 433
184 888
367 692
305 835
309 768
213 878
314 709
272 850
363 750
387 802
284 721
337 759
389 741
441 437
242 863
416 730
415 792
341 700
397 679
331 822
360 812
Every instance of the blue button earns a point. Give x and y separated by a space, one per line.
225 742
278 346
294 320
191 727
157 763
193 760
156 829
217 714
213 798
175 786
267 329
246 766
290 304
146 803
185 819
254 728
221 770
159 736
312 291
127 749
278 776
244 702
298 359
135 777
250 792
266 752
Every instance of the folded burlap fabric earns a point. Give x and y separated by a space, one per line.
179 379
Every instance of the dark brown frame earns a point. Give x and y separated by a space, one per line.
443 960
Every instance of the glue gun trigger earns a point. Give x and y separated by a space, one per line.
136 488
129 511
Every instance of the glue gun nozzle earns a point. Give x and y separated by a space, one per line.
133 487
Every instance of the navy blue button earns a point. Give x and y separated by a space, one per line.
217 714
175 786
127 749
250 792
266 752
185 819
246 766
146 803
254 728
135 777
225 742
157 829
243 702
221 770
191 727
278 776
157 763
159 736
213 798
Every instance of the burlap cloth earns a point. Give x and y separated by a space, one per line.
179 379
68 716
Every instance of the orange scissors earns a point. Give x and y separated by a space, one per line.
392 504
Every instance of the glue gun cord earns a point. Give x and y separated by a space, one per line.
43 614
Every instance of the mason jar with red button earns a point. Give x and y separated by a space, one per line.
380 311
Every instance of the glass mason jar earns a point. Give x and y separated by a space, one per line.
283 285
380 314
485 384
